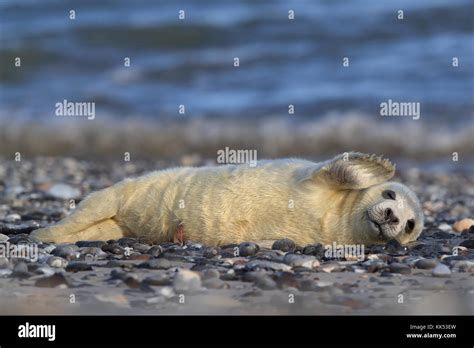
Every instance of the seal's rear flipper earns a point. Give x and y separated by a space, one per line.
100 206
104 230
350 170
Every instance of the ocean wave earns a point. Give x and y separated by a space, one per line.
272 137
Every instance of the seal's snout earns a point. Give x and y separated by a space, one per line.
390 217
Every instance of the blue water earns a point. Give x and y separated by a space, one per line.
282 62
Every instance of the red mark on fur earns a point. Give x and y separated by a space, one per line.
179 234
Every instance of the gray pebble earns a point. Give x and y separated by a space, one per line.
306 261
286 245
210 273
210 252
186 280
12 218
64 192
52 281
158 279
248 249
426 263
468 243
77 266
4 262
68 252
214 283
113 249
330 267
155 251
21 271
441 271
400 268
57 262
90 243
141 248
316 250
263 264
156 264
265 283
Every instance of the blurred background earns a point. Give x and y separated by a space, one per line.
191 62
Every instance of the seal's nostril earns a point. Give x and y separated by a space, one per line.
388 213
394 221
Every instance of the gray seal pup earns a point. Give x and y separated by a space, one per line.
348 200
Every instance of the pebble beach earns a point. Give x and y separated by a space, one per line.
433 275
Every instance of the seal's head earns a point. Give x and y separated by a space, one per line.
392 211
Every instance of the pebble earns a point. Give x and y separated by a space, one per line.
214 283
463 266
139 257
468 233
12 218
113 249
400 268
306 261
286 245
22 238
64 192
330 267
210 252
210 273
248 249
45 270
25 228
141 248
156 264
78 266
394 248
263 264
309 285
52 281
91 254
3 238
463 224
21 271
468 243
186 280
57 262
443 235
286 279
90 244
316 250
426 263
444 227
126 242
441 271
155 251
4 262
158 279
270 255
68 252
265 283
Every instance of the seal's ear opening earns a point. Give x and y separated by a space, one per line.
349 171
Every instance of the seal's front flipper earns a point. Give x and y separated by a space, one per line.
350 170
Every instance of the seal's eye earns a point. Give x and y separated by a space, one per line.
410 226
389 194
